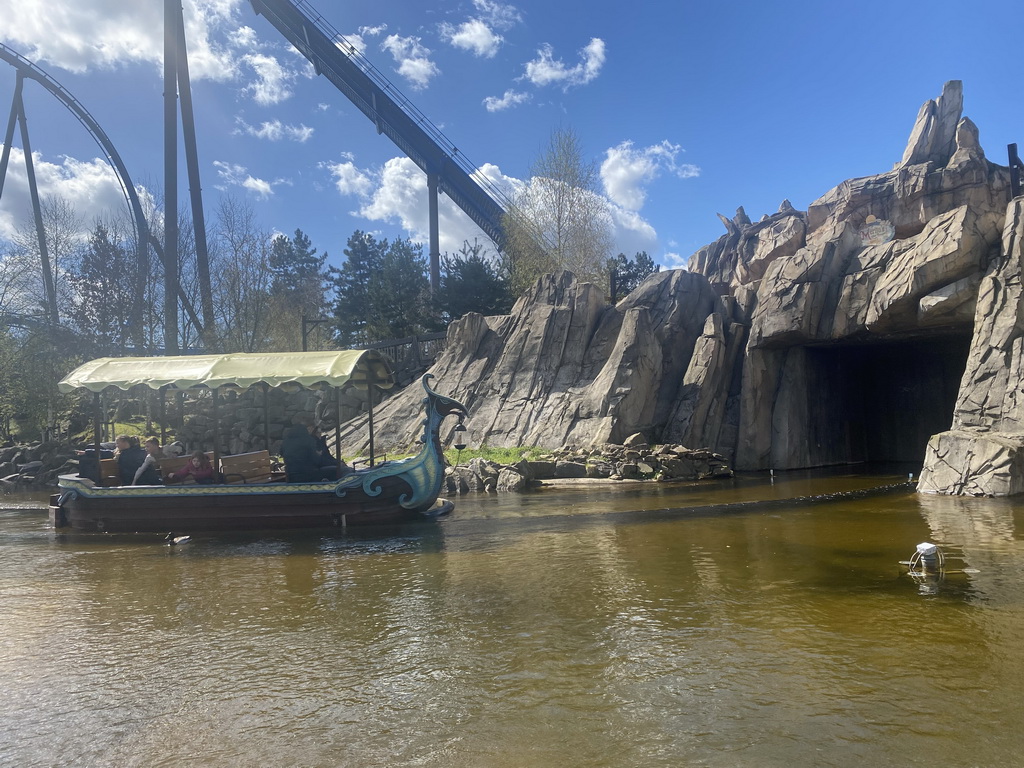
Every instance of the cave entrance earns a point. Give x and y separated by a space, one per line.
881 402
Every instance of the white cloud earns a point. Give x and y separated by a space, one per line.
233 175
631 232
349 179
546 70
275 130
260 187
413 60
244 37
673 260
272 83
83 36
498 15
380 29
626 171
397 193
473 36
104 34
510 98
90 186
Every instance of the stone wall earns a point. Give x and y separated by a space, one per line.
247 420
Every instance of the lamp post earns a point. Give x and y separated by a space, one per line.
310 322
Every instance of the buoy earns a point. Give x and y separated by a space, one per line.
928 558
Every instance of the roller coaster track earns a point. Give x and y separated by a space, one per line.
27 69
392 113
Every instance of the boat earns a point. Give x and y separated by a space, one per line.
383 494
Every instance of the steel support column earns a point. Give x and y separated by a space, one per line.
172 18
435 238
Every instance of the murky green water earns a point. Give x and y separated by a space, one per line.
578 627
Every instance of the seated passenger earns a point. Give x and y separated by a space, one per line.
198 468
149 473
129 458
330 466
88 466
302 459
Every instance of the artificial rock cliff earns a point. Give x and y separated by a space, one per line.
880 325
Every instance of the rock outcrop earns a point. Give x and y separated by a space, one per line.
564 367
885 314
983 452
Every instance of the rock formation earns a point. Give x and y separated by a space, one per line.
839 334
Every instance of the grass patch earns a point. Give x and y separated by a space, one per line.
497 455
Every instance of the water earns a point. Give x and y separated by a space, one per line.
578 627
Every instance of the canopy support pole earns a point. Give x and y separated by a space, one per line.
266 416
337 430
96 417
216 428
369 396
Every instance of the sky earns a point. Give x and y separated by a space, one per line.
687 109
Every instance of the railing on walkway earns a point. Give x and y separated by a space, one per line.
412 356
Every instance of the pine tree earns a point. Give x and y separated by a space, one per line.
363 259
298 273
380 291
472 283
104 287
629 273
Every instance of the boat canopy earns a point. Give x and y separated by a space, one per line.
355 367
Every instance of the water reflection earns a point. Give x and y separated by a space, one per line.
570 628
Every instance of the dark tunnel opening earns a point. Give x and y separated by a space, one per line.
881 402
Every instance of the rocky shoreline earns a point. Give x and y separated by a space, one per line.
633 461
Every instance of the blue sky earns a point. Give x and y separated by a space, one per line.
688 108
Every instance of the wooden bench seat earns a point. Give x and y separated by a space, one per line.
246 468
110 473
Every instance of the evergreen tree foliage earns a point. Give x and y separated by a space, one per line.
629 273
400 292
381 291
470 282
298 273
299 280
352 289
104 292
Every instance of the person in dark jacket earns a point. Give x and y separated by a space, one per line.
88 466
130 457
300 454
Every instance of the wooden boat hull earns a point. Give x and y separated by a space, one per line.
222 508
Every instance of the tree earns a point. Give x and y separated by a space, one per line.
380 292
104 292
299 280
629 273
399 292
559 219
62 229
297 272
472 283
241 284
363 255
